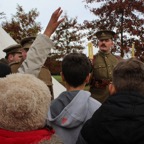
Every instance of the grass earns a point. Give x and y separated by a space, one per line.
58 78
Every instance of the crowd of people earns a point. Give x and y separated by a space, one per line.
110 112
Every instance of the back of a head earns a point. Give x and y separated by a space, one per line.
75 68
129 75
4 70
24 102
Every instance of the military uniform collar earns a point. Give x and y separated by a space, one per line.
104 53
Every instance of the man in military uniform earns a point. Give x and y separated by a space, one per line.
44 74
103 63
13 54
26 44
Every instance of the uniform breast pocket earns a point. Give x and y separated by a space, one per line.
100 71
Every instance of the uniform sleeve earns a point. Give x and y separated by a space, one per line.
37 55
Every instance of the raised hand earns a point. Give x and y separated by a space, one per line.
53 22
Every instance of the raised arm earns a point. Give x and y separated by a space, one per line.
41 47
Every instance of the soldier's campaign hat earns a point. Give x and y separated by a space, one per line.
105 34
15 48
27 42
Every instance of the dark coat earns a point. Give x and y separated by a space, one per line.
120 120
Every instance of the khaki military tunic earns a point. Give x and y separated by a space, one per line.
44 75
103 65
14 66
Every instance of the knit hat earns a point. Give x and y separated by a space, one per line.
24 102
4 70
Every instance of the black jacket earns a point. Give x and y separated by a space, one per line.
120 120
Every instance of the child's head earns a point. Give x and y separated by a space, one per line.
75 68
129 75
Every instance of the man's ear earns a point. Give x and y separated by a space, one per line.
62 76
112 89
10 57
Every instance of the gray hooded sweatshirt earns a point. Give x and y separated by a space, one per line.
69 112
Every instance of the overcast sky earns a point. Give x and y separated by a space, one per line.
74 8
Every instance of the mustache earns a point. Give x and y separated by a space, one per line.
103 45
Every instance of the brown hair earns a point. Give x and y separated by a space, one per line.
128 75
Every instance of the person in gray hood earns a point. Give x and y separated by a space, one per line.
70 110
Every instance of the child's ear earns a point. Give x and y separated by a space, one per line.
88 78
62 76
112 89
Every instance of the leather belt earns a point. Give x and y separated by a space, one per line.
101 83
